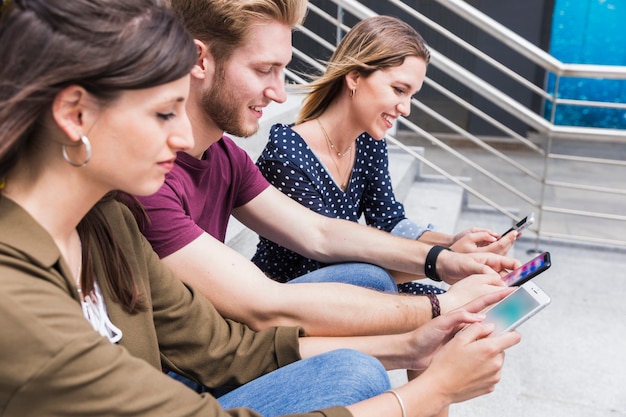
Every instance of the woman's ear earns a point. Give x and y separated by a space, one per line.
205 64
352 80
67 111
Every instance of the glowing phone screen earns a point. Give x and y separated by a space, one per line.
510 310
527 269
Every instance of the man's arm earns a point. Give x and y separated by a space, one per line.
410 350
239 290
277 217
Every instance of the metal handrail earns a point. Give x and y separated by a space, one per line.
529 50
470 48
546 129
521 46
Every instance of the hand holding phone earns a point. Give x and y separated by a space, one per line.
521 225
516 308
529 270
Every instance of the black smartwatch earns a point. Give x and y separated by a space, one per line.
431 261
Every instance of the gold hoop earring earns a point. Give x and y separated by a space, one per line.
84 140
352 92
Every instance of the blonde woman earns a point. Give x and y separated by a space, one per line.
334 159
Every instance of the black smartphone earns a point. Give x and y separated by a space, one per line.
529 270
521 225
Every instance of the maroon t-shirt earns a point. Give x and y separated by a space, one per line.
199 195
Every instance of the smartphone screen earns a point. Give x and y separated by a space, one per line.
529 270
516 308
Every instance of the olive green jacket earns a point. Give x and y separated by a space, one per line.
52 363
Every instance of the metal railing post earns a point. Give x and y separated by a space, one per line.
340 14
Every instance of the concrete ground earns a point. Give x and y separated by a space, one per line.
571 361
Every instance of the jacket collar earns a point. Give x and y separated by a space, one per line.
21 232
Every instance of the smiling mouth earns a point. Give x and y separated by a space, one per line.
258 110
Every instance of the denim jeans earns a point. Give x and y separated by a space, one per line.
361 274
337 378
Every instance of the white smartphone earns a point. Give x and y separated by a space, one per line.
521 225
508 314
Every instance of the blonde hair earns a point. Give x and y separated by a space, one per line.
373 44
224 24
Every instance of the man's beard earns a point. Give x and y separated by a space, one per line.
220 104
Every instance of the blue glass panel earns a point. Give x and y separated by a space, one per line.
589 32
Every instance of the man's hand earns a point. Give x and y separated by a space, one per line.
452 266
468 289
429 338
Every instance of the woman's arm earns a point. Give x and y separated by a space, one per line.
412 350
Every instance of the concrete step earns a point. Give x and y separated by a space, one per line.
434 201
403 169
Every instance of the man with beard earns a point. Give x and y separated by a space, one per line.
243 48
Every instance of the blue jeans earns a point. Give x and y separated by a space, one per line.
337 378
355 273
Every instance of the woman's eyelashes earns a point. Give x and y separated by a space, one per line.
405 92
166 116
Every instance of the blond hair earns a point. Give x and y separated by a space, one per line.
224 24
373 44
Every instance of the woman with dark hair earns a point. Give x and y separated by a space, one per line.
92 97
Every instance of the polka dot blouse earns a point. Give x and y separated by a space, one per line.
290 165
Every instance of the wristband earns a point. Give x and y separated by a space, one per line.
431 260
434 304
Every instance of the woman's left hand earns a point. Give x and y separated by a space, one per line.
482 240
